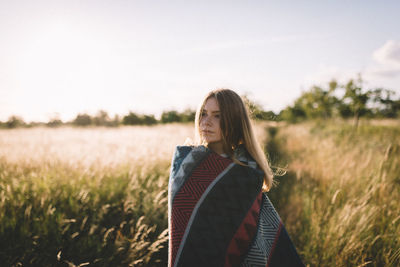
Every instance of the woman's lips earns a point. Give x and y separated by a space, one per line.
207 132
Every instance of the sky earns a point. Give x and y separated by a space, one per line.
62 58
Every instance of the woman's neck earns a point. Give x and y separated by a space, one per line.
216 147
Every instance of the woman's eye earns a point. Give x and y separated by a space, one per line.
216 116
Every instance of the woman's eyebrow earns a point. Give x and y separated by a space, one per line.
216 111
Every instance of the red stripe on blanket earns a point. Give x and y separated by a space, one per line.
246 232
188 196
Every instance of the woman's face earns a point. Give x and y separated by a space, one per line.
210 122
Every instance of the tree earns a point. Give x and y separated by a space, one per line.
315 103
322 103
116 121
138 119
256 110
54 122
385 105
293 113
14 122
188 115
319 103
82 120
131 119
101 118
170 116
149 119
355 99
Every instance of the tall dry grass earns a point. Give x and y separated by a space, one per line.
341 197
92 147
79 196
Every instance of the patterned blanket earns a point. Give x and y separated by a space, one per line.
219 216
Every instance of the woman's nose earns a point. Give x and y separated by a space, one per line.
207 120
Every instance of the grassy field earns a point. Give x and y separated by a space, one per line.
340 199
98 196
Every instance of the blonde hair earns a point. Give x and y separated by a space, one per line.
236 128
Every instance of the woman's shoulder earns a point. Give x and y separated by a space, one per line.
181 151
187 153
183 148
188 148
241 154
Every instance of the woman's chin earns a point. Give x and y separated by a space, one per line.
214 142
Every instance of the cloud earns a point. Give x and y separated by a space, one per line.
387 61
384 70
388 54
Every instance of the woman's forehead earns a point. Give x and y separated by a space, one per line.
211 105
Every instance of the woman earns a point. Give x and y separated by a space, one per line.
218 213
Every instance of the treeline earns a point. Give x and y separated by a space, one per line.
348 100
103 119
